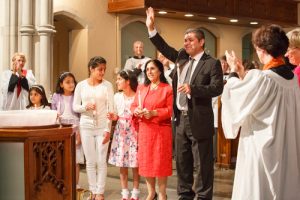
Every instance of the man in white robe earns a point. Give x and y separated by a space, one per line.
137 62
266 105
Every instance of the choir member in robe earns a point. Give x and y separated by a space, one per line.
266 105
15 84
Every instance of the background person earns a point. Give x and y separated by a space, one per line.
15 84
137 61
293 52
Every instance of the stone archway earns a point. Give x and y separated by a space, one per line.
132 32
210 42
69 41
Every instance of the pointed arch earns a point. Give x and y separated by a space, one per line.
70 44
210 42
133 31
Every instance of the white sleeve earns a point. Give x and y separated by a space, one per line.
129 64
242 98
30 78
152 33
77 103
4 88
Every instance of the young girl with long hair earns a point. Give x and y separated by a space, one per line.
123 152
92 98
37 98
62 101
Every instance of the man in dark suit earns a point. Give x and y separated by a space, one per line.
197 78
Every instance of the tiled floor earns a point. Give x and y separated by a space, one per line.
222 184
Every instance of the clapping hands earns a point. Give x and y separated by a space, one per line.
234 63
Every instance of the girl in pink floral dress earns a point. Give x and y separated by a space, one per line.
123 152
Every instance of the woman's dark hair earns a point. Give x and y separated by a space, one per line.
272 39
95 61
39 89
160 67
61 78
129 75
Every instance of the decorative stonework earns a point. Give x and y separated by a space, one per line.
49 165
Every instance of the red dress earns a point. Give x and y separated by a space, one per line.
155 134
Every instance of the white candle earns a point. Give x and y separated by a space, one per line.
58 108
94 103
107 102
139 98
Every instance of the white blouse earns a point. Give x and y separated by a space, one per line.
119 103
102 95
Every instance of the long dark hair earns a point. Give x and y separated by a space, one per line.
39 89
129 75
94 62
160 67
61 78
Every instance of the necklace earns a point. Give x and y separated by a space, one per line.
154 86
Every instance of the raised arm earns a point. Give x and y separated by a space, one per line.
157 40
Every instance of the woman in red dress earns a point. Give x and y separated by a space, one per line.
152 107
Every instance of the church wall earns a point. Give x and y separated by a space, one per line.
98 37
103 33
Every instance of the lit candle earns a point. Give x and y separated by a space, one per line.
139 98
35 107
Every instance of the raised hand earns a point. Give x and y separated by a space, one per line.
150 19
233 62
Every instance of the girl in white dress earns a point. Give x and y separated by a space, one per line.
93 99
37 98
123 152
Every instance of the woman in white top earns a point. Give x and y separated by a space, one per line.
93 98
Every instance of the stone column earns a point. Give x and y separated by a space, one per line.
27 31
8 32
45 31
